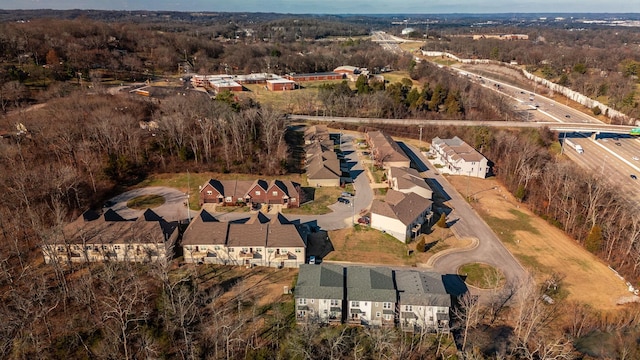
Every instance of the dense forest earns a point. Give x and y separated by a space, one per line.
79 143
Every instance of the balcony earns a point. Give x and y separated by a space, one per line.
249 255
285 256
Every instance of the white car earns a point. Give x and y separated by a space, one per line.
635 158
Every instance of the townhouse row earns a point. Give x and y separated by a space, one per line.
252 193
415 301
259 241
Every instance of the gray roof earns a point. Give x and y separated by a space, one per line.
421 288
407 178
458 149
370 284
324 281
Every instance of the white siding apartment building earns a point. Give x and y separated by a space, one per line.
400 215
459 158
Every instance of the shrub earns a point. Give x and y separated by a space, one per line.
420 246
442 222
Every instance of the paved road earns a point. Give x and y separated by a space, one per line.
343 215
173 208
467 223
622 129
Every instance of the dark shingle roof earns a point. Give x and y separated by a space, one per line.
324 281
370 284
421 288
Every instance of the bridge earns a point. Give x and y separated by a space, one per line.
554 126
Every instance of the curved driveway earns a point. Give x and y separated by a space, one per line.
467 223
173 209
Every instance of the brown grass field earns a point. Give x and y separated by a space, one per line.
542 248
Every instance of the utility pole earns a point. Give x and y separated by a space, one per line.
420 135
188 194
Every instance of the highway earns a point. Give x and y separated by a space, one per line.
610 161
553 125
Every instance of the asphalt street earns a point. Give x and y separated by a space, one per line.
173 209
466 223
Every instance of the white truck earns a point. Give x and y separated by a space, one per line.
574 146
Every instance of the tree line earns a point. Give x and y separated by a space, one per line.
601 63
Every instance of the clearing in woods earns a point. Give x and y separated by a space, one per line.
542 248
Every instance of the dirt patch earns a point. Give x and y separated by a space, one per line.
542 248
258 285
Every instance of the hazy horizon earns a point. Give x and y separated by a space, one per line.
337 7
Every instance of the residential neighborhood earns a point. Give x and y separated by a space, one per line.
109 237
259 241
332 293
459 158
372 296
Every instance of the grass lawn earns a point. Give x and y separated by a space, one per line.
145 202
322 198
506 228
364 244
190 182
482 275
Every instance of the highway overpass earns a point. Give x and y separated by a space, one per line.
555 126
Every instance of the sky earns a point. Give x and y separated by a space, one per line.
340 6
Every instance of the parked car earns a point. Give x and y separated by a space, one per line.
619 144
635 158
346 194
634 177
364 220
567 116
312 260
344 201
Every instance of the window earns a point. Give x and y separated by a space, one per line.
231 249
76 247
203 248
209 192
258 193
386 305
376 305
312 301
302 301
274 193
430 318
259 249
378 314
326 312
293 199
298 250
104 247
387 316
130 247
270 250
216 247
355 304
408 308
60 248
116 247
334 302
245 249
